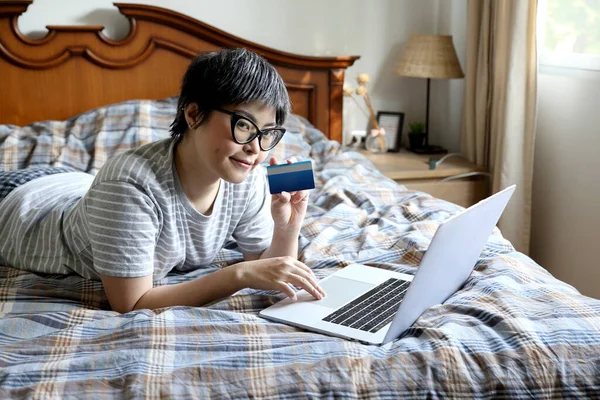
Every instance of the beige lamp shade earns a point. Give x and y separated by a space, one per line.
429 56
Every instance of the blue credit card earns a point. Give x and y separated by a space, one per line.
291 177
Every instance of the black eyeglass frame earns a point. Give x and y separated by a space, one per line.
235 117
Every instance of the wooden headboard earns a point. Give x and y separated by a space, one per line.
76 68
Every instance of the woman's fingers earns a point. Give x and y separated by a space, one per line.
307 273
301 265
313 281
286 271
284 197
287 290
298 197
273 160
306 284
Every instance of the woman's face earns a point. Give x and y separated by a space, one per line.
217 154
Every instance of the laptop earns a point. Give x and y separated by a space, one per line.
376 306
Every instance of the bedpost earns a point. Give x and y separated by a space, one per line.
336 108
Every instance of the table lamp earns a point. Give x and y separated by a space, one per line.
429 56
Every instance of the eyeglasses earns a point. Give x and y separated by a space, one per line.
245 130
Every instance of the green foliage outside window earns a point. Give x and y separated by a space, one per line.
572 26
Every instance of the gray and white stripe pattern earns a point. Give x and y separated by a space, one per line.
131 220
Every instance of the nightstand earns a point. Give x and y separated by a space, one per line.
444 182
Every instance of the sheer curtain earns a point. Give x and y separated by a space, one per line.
499 117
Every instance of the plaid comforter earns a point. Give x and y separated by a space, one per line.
512 331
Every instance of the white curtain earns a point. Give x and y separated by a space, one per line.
499 117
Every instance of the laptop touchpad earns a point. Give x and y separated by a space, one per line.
341 290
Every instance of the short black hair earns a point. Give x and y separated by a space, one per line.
230 76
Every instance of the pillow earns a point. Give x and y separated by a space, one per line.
11 180
86 141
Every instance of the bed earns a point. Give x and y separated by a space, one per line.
75 98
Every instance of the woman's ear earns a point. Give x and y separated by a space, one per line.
192 115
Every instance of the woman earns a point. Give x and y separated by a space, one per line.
173 204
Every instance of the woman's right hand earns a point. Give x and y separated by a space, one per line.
276 274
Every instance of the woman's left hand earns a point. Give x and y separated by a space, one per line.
288 208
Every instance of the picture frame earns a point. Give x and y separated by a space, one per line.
393 123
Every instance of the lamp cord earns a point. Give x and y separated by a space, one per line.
465 175
434 164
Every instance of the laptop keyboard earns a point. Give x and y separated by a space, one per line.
374 309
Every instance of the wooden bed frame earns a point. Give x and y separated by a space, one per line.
76 68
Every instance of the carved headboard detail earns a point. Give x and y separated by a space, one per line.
76 68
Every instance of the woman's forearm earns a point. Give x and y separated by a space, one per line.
215 286
282 244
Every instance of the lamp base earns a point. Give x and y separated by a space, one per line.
429 149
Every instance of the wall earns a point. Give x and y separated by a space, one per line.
566 187
447 95
374 29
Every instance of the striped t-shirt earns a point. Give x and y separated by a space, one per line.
132 219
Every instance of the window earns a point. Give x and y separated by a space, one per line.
569 33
